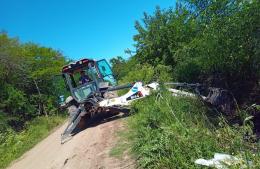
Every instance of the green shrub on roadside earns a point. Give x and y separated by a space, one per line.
16 103
171 132
14 144
147 73
142 73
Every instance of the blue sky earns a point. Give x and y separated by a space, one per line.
79 28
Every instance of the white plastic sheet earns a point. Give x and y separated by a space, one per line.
222 161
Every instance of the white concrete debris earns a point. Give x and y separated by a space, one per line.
223 161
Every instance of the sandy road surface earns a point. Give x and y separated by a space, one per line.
88 149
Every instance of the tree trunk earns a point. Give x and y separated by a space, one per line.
41 105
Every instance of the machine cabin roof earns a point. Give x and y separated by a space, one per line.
76 66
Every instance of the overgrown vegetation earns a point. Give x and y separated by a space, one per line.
172 132
13 144
27 88
28 91
215 43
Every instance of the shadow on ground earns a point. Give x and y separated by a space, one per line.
102 117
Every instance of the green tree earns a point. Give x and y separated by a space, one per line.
26 78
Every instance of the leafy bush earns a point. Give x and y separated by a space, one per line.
14 144
142 73
172 132
211 42
189 71
147 73
27 87
16 103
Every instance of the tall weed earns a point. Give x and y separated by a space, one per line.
14 144
172 132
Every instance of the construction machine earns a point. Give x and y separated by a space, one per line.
98 93
93 97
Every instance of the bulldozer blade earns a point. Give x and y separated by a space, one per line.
65 138
71 126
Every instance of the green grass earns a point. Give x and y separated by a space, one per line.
16 144
119 149
171 132
121 146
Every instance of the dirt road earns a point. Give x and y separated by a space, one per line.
88 149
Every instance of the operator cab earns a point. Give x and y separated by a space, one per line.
98 74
